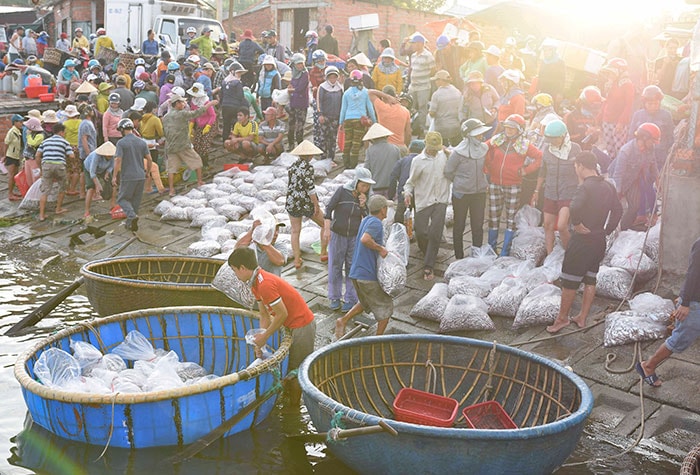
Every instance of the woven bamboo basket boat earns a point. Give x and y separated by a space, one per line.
212 337
691 462
53 56
122 284
354 383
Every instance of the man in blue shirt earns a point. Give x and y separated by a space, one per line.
363 272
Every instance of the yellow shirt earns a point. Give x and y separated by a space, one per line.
151 127
81 42
248 130
72 126
103 42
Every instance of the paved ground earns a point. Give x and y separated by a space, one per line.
672 412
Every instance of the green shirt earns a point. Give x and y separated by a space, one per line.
177 129
205 45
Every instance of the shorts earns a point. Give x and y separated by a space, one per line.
303 339
11 162
374 299
582 260
50 173
687 331
554 206
106 184
188 158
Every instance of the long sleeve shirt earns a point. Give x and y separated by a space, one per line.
344 212
109 124
426 181
177 131
97 165
355 104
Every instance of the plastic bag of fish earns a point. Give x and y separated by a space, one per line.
466 312
391 273
627 252
654 306
432 305
481 260
539 307
226 281
613 282
505 299
628 326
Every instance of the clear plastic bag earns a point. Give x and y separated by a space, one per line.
162 207
651 248
528 217
135 347
391 274
226 282
432 305
481 261
466 312
175 213
206 215
232 212
164 375
56 368
553 262
539 307
613 283
626 327
529 244
265 231
635 261
111 362
506 262
86 353
655 307
218 234
310 234
494 276
505 299
468 285
188 371
534 278
398 242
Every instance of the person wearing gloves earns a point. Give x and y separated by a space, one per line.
302 201
355 110
99 167
557 179
465 169
430 190
511 156
344 212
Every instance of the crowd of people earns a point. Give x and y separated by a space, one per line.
485 129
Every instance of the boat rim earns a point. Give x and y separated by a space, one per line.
45 392
363 418
87 272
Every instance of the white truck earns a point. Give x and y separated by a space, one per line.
130 20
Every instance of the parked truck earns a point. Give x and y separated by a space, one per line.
129 21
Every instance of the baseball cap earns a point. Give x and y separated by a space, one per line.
377 202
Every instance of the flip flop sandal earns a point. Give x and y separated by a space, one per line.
651 379
428 274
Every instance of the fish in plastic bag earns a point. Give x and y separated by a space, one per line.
398 242
56 368
613 282
204 248
505 299
391 274
651 248
264 232
432 305
468 285
86 353
226 282
626 327
539 307
529 244
135 347
527 216
480 262
466 312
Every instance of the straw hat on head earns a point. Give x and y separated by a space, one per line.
362 60
306 148
71 110
49 117
86 88
377 131
34 114
107 149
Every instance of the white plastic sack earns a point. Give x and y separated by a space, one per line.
398 242
226 282
635 260
280 96
432 305
539 307
204 248
310 234
391 273
553 262
204 216
651 248
162 207
529 244
265 231
468 285
174 213
322 167
56 368
466 312
655 307
626 327
232 212
475 266
86 353
527 216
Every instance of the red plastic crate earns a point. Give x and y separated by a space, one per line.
33 92
240 166
420 407
488 415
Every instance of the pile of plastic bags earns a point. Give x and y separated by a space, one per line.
647 319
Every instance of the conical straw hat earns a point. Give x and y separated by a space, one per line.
306 148
362 59
107 149
377 131
86 88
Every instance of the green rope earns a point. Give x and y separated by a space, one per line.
336 426
337 421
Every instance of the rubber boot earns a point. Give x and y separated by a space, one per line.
493 238
507 239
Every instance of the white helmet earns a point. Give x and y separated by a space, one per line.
177 90
191 29
331 70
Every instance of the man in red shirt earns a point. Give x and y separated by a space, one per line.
280 304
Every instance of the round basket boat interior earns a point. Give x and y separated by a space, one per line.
367 377
123 284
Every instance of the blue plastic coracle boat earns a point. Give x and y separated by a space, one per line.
355 383
212 337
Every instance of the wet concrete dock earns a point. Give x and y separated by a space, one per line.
671 413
